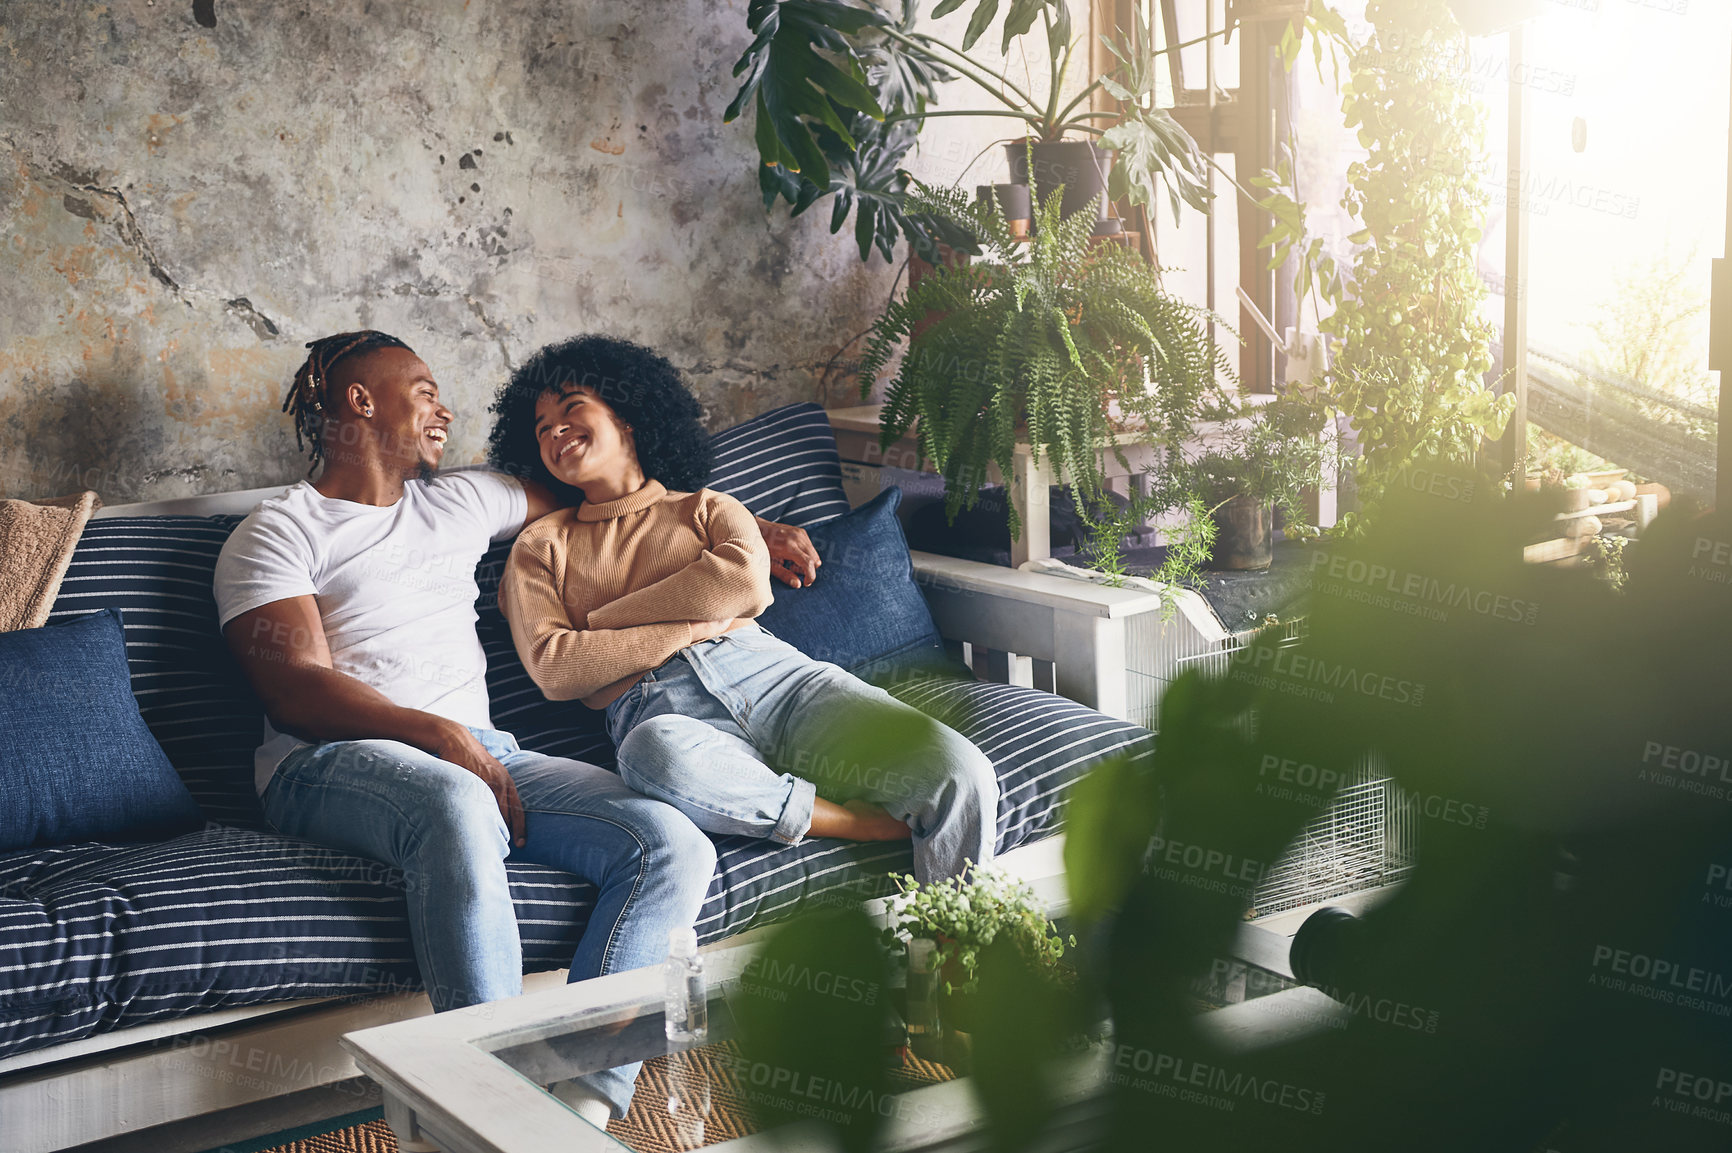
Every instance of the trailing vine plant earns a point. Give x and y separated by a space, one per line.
1060 341
1410 347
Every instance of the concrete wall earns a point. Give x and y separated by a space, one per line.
191 189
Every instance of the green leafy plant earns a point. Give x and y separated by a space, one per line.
1604 557
839 91
1189 543
1062 341
965 916
1272 455
1410 347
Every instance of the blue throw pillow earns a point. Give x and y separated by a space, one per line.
76 760
864 612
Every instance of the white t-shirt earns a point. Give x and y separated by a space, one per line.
395 587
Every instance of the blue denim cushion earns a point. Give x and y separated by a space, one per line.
864 612
76 760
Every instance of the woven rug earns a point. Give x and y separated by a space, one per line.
648 1127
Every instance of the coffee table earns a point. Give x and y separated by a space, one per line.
471 1080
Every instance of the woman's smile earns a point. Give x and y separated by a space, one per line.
584 443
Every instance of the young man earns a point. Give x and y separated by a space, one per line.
350 604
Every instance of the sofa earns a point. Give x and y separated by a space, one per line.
141 983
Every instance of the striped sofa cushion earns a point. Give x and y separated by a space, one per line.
95 937
782 465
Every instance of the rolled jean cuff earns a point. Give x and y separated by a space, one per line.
796 814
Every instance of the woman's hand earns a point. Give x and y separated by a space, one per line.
793 560
709 630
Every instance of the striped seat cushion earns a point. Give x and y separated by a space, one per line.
1039 743
95 937
98 937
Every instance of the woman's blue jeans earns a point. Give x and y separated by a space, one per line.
440 824
741 732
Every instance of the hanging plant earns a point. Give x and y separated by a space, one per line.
1410 347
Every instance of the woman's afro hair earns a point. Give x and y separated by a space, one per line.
641 387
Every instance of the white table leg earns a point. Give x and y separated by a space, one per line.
1029 495
401 1119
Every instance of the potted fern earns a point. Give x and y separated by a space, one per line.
1061 341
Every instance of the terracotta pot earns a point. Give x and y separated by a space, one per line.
1244 535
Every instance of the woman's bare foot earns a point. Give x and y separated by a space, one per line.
855 821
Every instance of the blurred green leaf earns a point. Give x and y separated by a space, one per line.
1111 814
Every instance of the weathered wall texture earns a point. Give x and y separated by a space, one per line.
182 206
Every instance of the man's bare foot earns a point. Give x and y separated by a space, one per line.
855 821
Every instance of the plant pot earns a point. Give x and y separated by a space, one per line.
1014 204
1078 165
1244 535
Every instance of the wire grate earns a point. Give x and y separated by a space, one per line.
1364 838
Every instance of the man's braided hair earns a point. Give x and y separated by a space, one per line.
309 395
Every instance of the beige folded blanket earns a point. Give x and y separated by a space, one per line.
36 543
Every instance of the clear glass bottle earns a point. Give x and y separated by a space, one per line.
686 1007
924 1030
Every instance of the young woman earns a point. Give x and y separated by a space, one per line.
640 601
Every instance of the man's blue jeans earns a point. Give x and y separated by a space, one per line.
711 731
440 824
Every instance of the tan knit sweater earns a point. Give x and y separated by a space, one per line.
599 594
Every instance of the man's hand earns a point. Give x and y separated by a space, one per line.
793 560
282 648
455 743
